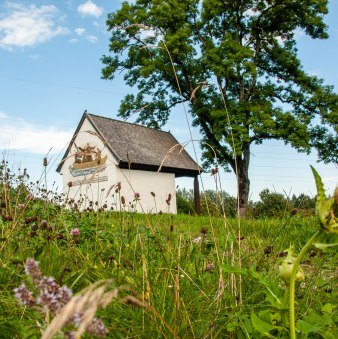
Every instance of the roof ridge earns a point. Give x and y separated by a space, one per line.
127 122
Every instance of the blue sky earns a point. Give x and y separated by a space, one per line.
50 73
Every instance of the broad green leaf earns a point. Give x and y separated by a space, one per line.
326 207
320 186
262 326
328 308
326 240
305 328
314 323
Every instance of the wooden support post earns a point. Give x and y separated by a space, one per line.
197 199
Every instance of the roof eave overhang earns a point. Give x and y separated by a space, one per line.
179 172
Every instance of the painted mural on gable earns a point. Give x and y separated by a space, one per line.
88 159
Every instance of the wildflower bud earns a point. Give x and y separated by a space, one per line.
43 224
32 234
204 230
69 184
214 171
75 232
7 218
29 197
45 162
153 194
24 296
118 187
32 269
210 267
123 200
268 249
21 206
137 196
286 267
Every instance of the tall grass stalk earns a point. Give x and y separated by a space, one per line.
294 271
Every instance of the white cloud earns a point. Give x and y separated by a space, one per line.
89 8
19 134
80 30
73 41
3 115
28 25
92 39
34 56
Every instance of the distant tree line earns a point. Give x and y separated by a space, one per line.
271 204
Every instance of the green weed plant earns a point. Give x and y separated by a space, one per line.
182 268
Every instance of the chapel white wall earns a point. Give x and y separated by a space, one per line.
99 188
145 183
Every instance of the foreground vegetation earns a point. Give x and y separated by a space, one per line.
178 275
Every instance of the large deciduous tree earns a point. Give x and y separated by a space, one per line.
236 66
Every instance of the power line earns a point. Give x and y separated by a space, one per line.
60 85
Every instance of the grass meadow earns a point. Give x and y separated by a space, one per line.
156 276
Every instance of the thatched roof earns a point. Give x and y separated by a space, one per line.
139 147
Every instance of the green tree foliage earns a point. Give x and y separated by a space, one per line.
237 68
212 203
271 204
303 201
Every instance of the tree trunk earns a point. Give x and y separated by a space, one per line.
197 199
243 182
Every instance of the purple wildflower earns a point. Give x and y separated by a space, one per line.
137 196
43 224
24 296
49 285
97 328
32 269
48 301
69 335
74 232
77 319
64 295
